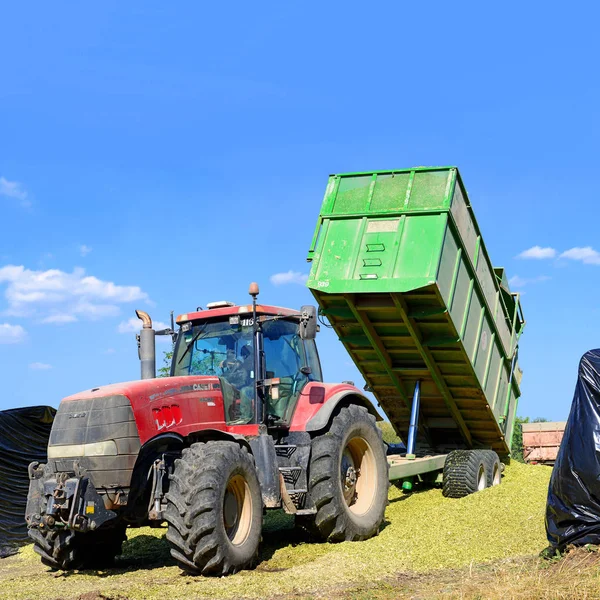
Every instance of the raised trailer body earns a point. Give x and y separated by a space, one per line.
401 272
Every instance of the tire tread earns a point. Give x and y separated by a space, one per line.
332 521
194 532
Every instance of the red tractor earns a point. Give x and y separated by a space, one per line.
244 423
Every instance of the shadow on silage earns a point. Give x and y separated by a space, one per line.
418 488
279 531
147 552
143 552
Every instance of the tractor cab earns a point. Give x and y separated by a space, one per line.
224 341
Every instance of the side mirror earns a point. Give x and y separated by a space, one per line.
308 323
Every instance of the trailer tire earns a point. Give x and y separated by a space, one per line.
348 478
67 550
465 473
493 468
214 509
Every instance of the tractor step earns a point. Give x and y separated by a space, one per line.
306 511
290 476
285 450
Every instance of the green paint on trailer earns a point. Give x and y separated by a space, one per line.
404 468
402 273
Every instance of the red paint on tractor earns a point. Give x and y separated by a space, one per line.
180 405
215 313
313 397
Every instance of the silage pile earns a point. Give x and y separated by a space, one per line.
423 531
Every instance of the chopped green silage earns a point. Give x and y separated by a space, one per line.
423 531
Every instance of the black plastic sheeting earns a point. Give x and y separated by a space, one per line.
573 509
24 434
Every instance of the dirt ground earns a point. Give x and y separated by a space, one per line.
482 546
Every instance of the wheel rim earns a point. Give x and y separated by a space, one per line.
358 475
496 475
481 478
237 510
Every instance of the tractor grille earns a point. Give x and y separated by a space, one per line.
79 431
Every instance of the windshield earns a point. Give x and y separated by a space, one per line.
220 349
206 349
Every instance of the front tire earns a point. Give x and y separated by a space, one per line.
67 550
214 509
348 478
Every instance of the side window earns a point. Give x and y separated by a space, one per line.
282 356
312 359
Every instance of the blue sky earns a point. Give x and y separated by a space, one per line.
159 157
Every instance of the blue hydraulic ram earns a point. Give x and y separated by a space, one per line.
412 433
414 422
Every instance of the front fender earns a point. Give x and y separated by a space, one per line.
318 402
323 416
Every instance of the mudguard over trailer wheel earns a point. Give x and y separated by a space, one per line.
66 549
214 509
465 473
348 478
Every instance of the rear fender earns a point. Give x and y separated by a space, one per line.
323 417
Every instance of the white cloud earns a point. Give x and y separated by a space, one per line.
97 311
84 250
39 366
537 252
109 351
12 189
516 282
59 319
289 277
134 325
11 334
55 296
586 255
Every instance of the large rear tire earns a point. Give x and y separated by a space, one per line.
348 478
465 473
67 550
214 509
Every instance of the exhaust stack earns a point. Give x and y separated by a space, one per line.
146 346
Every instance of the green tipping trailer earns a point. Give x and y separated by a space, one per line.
402 274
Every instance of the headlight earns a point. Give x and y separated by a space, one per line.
108 448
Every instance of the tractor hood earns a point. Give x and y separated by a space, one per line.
164 404
150 389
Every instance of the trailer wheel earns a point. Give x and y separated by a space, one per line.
464 473
214 509
348 478
67 550
492 468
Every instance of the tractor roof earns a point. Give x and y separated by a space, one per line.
226 311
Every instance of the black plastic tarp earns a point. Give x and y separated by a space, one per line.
573 508
24 434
